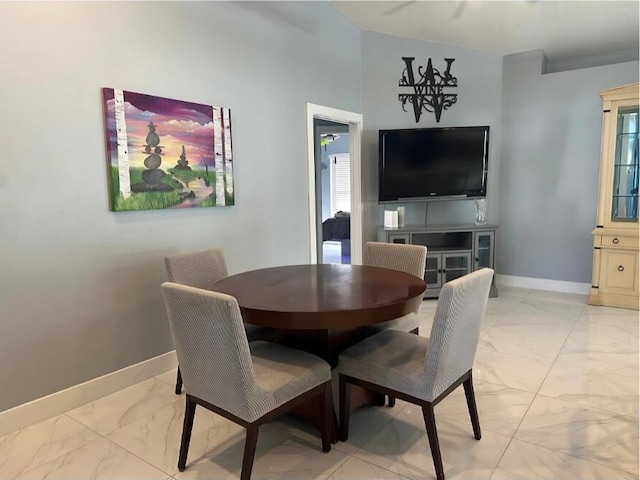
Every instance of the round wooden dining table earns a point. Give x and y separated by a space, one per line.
323 307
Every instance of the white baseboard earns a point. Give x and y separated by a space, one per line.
72 397
543 284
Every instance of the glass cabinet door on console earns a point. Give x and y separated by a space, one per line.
614 279
456 265
444 267
483 249
432 271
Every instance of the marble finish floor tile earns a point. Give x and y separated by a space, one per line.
557 297
597 384
403 447
156 438
525 340
508 292
356 469
280 454
364 423
617 331
501 409
542 313
169 377
100 459
582 354
124 407
592 310
596 435
35 445
532 462
514 371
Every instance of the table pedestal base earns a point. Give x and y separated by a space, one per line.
327 344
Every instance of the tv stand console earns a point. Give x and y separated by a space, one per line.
452 250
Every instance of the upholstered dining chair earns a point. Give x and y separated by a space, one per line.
262 380
202 269
404 258
420 370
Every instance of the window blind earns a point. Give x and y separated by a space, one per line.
340 183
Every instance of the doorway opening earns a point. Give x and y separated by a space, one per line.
334 186
335 206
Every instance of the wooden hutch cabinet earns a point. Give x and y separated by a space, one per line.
615 249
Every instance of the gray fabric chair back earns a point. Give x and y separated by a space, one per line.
456 329
396 256
200 269
212 348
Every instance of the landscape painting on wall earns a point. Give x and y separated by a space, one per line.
166 153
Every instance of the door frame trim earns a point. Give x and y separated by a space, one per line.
354 120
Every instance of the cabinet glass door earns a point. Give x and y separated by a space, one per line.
456 265
432 271
625 183
483 250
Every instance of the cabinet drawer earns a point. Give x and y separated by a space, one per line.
619 272
619 241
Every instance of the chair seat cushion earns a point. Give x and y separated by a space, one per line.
392 359
407 323
255 333
283 373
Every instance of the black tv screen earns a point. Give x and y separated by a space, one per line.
433 162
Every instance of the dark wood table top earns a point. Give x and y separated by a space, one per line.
312 297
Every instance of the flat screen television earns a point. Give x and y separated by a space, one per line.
430 163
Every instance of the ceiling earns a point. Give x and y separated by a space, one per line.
562 29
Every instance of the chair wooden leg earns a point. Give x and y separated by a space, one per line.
473 410
344 408
249 451
432 433
189 414
179 383
327 417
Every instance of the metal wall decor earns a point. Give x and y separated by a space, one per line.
428 92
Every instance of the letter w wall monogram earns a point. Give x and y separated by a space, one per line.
428 91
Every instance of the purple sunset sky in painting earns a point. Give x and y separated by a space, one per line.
177 123
173 108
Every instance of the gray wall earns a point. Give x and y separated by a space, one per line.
479 96
549 164
79 285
